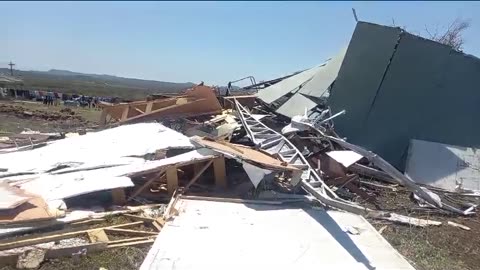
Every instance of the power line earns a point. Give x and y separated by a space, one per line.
11 67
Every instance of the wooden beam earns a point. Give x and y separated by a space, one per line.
134 243
139 190
149 107
125 113
220 172
157 225
103 118
371 172
138 110
132 239
118 196
172 179
97 236
130 232
231 200
197 175
52 236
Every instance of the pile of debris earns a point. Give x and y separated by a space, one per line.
264 163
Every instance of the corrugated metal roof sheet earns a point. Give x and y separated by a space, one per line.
276 91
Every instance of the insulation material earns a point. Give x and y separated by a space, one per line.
255 173
66 185
97 148
450 167
35 209
345 157
11 197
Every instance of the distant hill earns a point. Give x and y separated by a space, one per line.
94 84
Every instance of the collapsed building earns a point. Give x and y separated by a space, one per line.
299 156
395 87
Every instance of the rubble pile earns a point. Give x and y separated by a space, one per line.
152 160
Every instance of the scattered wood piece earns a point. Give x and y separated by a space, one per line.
371 172
232 200
134 243
168 210
458 225
404 219
220 172
132 239
157 225
130 232
34 239
87 222
172 179
391 187
97 236
382 229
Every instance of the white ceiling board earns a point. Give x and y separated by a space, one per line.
454 168
345 157
254 236
96 148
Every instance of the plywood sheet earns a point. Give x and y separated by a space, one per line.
246 153
35 209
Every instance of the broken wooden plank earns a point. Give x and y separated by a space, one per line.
97 236
134 243
371 172
132 239
130 232
34 239
453 224
232 200
172 179
405 219
220 172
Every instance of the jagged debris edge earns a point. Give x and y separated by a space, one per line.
273 142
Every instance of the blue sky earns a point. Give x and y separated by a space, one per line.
210 41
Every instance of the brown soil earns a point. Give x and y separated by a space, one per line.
21 112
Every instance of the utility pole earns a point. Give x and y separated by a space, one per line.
11 67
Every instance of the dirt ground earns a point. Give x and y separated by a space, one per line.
16 116
434 247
